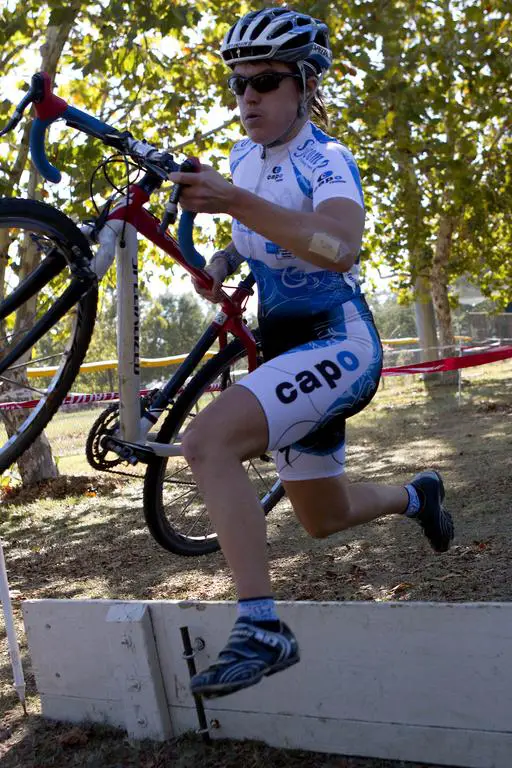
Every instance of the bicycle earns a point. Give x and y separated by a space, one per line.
54 268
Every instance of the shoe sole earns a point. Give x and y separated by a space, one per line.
441 486
441 500
224 689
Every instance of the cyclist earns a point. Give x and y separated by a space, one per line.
298 216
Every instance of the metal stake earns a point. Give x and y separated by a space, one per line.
188 655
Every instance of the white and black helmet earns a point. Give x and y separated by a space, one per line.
278 34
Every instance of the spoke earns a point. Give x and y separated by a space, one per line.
36 360
23 386
194 524
193 489
184 468
182 516
264 482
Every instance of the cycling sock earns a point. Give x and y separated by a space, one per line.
414 505
258 609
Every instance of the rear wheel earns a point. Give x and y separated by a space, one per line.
174 510
38 364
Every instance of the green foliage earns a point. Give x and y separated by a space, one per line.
393 320
430 126
170 325
427 116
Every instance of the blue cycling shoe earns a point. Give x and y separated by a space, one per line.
252 652
435 520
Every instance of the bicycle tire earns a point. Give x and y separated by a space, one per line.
164 531
56 237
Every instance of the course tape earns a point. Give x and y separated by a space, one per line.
157 362
451 363
431 366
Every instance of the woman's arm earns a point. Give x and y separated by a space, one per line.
230 256
329 237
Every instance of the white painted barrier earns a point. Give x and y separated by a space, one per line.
426 682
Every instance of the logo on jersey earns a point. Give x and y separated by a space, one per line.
327 373
277 174
275 250
328 177
310 156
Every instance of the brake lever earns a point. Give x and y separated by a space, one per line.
171 209
29 98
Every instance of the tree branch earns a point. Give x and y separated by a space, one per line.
8 56
195 139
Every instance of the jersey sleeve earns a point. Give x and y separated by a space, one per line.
337 176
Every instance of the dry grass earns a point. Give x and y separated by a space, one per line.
84 536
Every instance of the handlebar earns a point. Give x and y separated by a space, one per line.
49 108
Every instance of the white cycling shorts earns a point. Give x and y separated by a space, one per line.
308 393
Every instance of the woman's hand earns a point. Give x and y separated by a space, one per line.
218 270
204 192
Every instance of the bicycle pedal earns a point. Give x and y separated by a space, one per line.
130 452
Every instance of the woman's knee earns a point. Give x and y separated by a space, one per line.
233 426
199 442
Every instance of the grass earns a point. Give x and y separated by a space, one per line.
84 536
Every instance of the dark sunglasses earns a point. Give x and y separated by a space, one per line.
264 83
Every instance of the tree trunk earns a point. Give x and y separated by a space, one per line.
425 320
426 328
439 289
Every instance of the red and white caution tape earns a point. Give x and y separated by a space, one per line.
431 366
451 363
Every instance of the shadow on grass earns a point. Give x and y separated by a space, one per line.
92 542
47 744
82 545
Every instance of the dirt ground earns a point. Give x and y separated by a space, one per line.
85 537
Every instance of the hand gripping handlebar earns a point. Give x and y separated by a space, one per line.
49 108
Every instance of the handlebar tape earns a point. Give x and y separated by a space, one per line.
186 240
72 116
37 151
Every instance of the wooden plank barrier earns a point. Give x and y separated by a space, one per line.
426 682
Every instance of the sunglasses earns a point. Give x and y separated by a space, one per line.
264 83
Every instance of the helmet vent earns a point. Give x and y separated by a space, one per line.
282 29
297 41
263 24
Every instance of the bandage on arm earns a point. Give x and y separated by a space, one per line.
331 248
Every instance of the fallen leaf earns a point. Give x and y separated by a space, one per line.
402 587
76 737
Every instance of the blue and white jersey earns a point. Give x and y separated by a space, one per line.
299 175
322 352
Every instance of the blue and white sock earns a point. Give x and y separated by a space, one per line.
258 609
414 505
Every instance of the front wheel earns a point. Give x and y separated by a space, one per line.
174 510
46 319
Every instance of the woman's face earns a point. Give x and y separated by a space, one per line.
266 116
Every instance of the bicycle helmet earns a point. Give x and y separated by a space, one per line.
280 34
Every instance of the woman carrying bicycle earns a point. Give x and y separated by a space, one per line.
298 217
